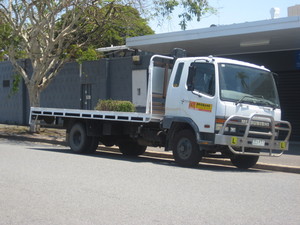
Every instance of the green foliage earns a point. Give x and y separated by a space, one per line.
127 22
114 24
88 55
4 33
187 10
107 23
7 39
81 55
15 86
2 53
115 105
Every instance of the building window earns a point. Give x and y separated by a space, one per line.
6 83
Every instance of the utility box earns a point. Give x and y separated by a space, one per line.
139 88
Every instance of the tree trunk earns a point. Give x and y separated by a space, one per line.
34 100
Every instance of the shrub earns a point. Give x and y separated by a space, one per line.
115 105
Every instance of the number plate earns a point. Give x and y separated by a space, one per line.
258 142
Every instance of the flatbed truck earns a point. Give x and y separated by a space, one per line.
196 107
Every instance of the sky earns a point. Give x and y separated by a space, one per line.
230 12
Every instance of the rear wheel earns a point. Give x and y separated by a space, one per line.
131 148
244 161
93 145
186 151
78 140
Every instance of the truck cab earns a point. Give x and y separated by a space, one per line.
231 106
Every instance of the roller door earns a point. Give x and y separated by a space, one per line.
289 94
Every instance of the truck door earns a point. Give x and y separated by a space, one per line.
199 96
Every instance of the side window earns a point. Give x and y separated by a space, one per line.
204 80
178 75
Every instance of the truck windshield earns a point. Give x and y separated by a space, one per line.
242 84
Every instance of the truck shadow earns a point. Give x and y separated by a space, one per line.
114 154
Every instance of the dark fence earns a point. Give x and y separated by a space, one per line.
75 87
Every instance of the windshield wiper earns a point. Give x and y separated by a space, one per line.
267 103
242 99
256 100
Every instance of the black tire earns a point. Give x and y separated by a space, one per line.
244 161
131 148
93 145
186 151
78 140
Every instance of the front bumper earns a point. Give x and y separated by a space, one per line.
253 141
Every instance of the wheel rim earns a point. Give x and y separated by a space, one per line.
184 148
77 138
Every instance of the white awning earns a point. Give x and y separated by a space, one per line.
250 37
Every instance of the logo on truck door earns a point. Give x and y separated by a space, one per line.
200 106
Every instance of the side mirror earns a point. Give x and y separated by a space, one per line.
190 79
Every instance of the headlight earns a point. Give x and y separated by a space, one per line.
220 124
232 129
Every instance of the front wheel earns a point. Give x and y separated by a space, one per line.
244 161
186 151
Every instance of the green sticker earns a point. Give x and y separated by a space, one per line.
282 145
234 140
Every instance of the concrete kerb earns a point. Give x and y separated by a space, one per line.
156 154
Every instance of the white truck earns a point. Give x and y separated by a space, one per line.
196 107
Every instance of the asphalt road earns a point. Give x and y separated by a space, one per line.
45 184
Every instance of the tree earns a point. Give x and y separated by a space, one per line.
3 36
33 27
33 23
45 29
5 32
127 22
188 9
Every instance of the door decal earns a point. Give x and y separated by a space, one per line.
200 106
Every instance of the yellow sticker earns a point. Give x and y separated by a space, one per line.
200 106
234 140
282 145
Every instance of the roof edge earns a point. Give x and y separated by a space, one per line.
218 31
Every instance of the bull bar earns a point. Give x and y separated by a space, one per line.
255 139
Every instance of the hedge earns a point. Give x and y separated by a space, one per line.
115 105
